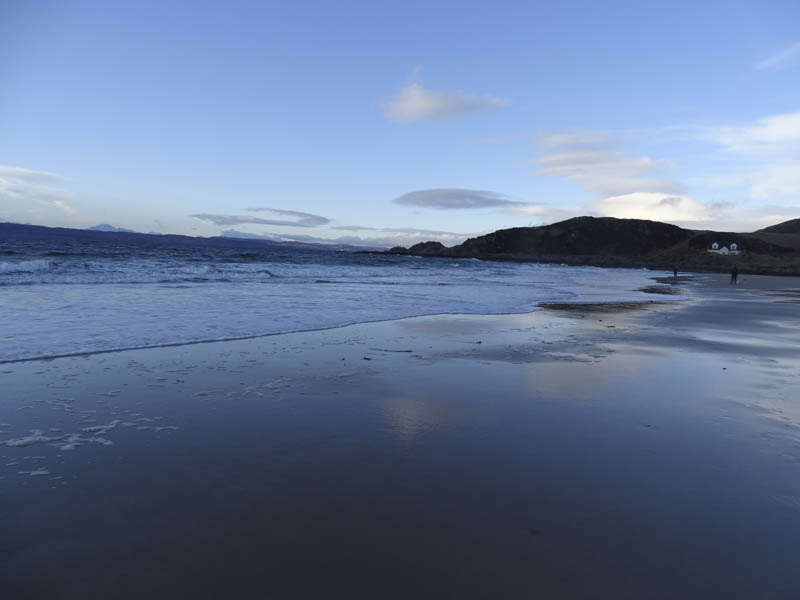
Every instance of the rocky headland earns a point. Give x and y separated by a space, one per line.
611 242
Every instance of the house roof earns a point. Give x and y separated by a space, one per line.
721 245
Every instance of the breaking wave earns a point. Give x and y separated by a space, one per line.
24 266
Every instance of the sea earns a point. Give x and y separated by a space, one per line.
62 297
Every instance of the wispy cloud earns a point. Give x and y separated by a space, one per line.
26 185
234 233
352 228
781 59
574 137
64 206
606 171
771 134
466 199
410 233
456 199
415 102
299 219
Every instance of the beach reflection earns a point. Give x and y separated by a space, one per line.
409 417
622 376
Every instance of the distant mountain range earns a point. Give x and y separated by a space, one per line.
107 227
109 233
606 241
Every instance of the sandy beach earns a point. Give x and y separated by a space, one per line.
647 451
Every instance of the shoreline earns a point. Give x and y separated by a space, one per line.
536 308
716 264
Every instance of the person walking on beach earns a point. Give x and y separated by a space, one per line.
734 275
675 272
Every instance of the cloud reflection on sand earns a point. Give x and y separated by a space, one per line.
409 417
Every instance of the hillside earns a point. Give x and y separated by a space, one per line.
607 241
580 236
792 226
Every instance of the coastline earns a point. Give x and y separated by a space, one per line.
705 264
587 452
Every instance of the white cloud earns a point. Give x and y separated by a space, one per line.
653 206
299 219
455 199
414 102
781 59
544 212
26 185
529 210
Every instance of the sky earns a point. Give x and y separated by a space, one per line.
389 123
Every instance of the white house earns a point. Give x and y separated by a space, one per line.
717 248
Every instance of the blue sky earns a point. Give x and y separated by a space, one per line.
397 122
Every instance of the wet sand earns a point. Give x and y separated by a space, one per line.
620 452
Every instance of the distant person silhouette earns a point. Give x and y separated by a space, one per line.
734 275
675 272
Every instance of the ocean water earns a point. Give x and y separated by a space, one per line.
73 297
